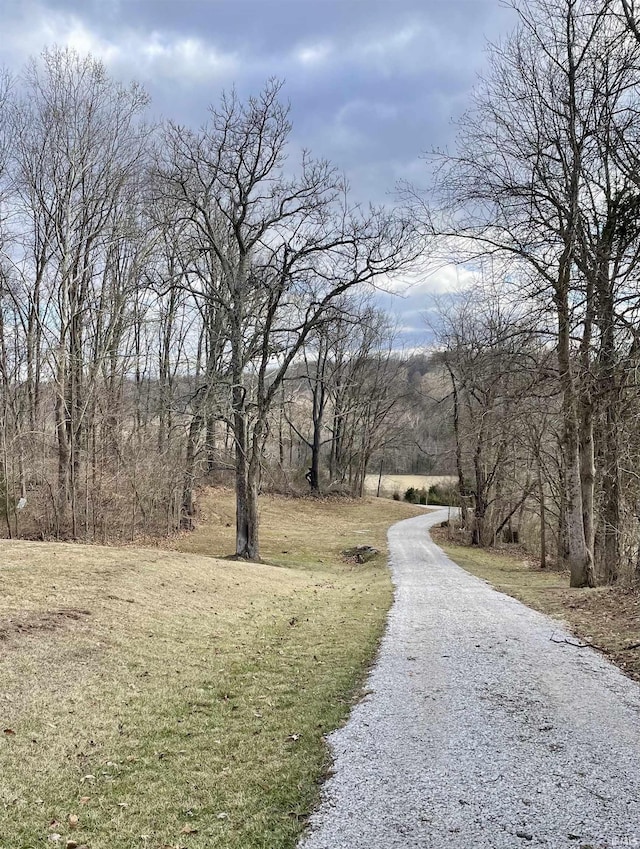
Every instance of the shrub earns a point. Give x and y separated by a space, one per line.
416 496
443 494
396 496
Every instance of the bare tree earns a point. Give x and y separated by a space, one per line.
345 362
527 184
80 146
493 358
279 250
155 292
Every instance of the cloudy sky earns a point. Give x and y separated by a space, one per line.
373 84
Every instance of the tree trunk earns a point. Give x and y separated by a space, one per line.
609 385
64 454
563 539
587 470
456 430
247 489
241 469
211 443
585 406
611 496
252 550
314 471
187 511
579 557
543 521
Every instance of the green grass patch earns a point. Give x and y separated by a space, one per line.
160 698
512 574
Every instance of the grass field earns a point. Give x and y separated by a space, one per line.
155 698
606 617
391 484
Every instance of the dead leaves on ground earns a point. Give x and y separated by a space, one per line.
69 844
188 829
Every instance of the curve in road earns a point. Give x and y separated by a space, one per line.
480 729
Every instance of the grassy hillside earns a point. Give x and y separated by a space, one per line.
167 698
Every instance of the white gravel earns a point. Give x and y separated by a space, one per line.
480 730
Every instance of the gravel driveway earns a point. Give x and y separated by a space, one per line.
482 727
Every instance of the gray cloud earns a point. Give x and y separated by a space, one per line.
373 84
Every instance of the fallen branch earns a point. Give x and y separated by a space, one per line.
570 641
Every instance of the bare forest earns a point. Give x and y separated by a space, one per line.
185 306
541 196
179 306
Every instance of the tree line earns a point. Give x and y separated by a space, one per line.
163 292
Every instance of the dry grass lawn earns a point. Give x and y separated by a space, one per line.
155 698
606 617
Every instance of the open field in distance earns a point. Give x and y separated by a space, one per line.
400 483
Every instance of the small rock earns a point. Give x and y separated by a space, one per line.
525 835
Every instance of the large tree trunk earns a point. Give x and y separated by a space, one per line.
580 554
580 560
585 406
241 468
247 489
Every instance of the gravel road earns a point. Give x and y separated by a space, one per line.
482 727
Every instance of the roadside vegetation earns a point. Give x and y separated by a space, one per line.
608 618
161 698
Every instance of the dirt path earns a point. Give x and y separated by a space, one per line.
483 728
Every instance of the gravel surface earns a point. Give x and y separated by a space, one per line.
482 727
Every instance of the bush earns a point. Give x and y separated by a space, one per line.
396 496
416 496
444 495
